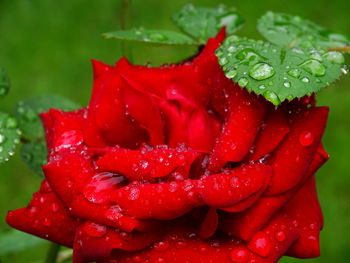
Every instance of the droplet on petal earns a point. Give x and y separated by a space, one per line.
94 230
306 138
239 255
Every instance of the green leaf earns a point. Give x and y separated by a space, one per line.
9 136
34 154
27 112
14 241
203 23
294 31
161 37
4 83
275 72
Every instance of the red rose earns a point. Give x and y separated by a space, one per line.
179 164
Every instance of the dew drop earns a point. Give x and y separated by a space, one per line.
272 97
315 55
345 69
101 185
239 255
11 123
231 74
262 87
243 82
223 61
113 213
134 194
287 84
180 244
157 37
94 230
2 138
305 80
47 222
312 226
54 207
260 244
295 73
69 139
334 57
280 236
248 56
314 67
161 246
234 182
306 138
261 71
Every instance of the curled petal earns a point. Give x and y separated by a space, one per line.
228 189
94 242
148 164
293 157
45 217
246 114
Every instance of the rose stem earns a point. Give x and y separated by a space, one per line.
341 49
52 253
124 24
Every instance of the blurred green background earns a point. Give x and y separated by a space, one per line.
46 46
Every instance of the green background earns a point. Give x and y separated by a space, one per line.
46 46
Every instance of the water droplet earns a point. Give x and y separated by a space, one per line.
345 69
315 55
262 87
305 80
248 56
69 139
223 61
101 185
272 97
134 194
287 84
180 244
54 207
312 226
295 73
2 138
231 49
158 37
32 211
94 230
261 71
231 74
314 67
280 236
242 82
11 123
47 222
306 138
260 244
137 259
239 255
161 246
334 57
234 182
114 213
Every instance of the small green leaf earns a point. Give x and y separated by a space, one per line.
161 37
34 154
275 72
9 136
203 23
4 83
294 31
15 241
27 112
